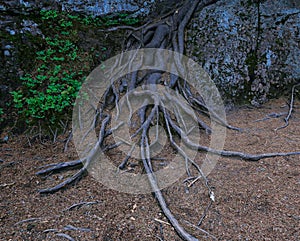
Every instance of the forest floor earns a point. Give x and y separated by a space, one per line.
253 200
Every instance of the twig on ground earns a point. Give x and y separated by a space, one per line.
28 220
67 228
72 228
79 205
51 230
68 141
65 236
200 229
195 180
204 214
271 115
54 134
161 229
28 140
161 221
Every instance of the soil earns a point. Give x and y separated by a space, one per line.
253 200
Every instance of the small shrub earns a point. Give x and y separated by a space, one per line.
48 91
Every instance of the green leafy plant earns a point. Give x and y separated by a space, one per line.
1 113
121 18
49 90
60 65
49 14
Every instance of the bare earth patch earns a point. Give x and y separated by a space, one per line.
254 200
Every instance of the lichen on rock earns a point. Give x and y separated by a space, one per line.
250 48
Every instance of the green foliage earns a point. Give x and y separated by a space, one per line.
1 113
49 90
49 14
118 19
70 20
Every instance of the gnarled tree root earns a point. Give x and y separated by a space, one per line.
167 33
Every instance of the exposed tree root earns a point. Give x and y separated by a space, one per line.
66 236
165 33
59 166
79 205
287 118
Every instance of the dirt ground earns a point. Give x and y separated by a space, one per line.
253 200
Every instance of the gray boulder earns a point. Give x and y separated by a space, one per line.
87 7
249 48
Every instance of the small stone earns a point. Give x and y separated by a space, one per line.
8 47
134 206
5 139
7 53
260 169
2 8
131 227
